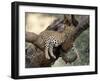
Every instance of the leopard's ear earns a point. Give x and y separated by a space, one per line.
67 20
74 21
70 20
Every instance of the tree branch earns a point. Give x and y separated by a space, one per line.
30 37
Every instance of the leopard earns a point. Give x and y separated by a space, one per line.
52 39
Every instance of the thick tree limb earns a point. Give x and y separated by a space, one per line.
30 37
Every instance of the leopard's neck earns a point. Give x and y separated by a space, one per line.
68 30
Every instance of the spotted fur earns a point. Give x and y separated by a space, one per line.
52 39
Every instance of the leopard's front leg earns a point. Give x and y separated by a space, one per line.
46 52
51 51
47 49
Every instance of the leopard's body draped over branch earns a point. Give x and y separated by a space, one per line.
52 39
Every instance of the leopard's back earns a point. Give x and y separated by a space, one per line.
52 37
